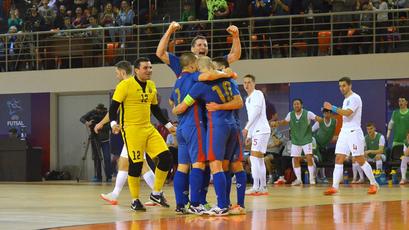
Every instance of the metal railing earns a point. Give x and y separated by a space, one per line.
269 37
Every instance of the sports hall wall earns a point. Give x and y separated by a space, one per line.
75 92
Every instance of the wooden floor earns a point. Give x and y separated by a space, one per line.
51 205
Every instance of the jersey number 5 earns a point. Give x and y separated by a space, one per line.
227 95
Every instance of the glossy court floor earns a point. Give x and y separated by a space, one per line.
77 206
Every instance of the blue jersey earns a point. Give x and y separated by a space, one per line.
236 112
174 63
194 114
220 91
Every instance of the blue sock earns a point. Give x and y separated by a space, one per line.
205 185
196 182
228 187
241 181
219 180
180 186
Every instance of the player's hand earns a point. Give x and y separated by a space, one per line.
174 26
245 132
116 129
212 106
327 105
172 130
175 110
98 127
231 73
233 31
89 123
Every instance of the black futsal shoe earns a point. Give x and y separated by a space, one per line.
160 199
138 206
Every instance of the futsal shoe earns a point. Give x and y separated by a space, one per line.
312 181
331 191
252 192
262 192
237 210
199 210
296 183
216 211
403 181
136 205
280 181
181 211
373 189
160 199
207 206
109 198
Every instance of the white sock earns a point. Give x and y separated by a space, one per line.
379 164
361 172
262 172
355 167
311 171
297 172
149 178
338 173
121 179
368 172
255 172
404 167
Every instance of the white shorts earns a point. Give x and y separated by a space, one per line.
383 158
259 142
351 141
296 150
124 152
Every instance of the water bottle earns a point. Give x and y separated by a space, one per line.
395 179
346 177
23 134
306 177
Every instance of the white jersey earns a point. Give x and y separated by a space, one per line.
256 112
354 103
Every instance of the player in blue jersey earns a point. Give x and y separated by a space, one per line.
221 127
198 46
191 136
234 164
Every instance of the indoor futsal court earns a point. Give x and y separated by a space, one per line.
204 114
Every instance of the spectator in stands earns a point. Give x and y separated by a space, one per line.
342 22
203 12
280 26
12 48
273 156
141 8
366 28
59 19
125 18
35 22
149 38
14 19
97 37
261 8
79 21
47 13
374 146
381 26
107 19
187 12
69 4
81 3
2 55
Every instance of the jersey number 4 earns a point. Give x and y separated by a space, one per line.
225 96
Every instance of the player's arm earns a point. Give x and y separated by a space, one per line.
161 50
235 52
236 103
284 122
340 111
390 127
184 105
158 114
101 124
215 75
119 96
315 127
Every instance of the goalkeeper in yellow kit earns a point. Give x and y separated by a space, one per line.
136 98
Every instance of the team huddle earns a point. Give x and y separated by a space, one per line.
206 100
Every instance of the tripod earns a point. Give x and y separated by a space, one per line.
92 138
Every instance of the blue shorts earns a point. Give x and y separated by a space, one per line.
218 138
236 146
191 144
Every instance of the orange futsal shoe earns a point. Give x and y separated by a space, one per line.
330 191
373 189
109 198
